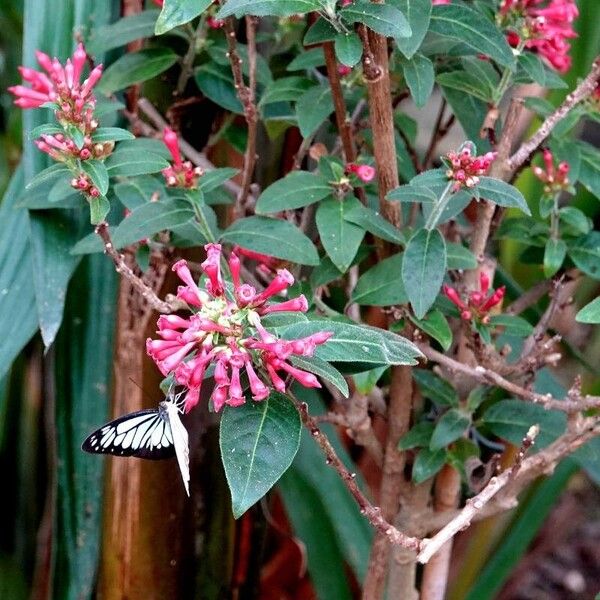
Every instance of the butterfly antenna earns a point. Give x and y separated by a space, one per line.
146 393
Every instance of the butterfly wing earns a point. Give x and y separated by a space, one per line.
180 441
144 434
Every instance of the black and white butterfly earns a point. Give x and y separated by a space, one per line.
153 434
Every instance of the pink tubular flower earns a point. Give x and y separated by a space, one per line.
479 303
544 25
181 174
226 329
365 173
465 169
555 179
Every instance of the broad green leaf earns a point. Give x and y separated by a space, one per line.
285 89
357 343
258 442
374 223
427 464
554 256
435 324
381 285
326 272
322 369
470 28
574 219
585 253
295 190
136 67
273 237
121 32
466 82
218 50
151 218
348 48
533 66
459 257
211 180
339 237
435 388
312 108
512 324
48 176
413 193
179 12
420 76
263 8
382 18
589 171
139 190
307 60
129 163
417 437
46 128
418 13
18 318
451 426
470 113
589 313
216 83
99 208
367 380
511 419
320 31
423 269
111 134
502 193
96 171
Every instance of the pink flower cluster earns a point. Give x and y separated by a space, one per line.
465 168
365 173
479 303
555 179
225 329
181 173
545 25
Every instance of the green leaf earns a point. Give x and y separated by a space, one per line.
511 419
46 128
121 32
575 219
470 113
112 134
374 223
99 208
502 193
211 180
140 190
554 256
590 313
295 190
533 66
381 285
18 318
418 13
589 171
427 464
585 253
307 60
151 218
273 237
466 82
322 369
423 269
451 426
48 176
435 388
258 442
320 31
413 193
285 89
417 437
312 108
357 343
339 237
459 257
263 8
136 67
512 324
216 83
348 48
471 29
96 171
420 76
435 325
129 163
381 18
179 12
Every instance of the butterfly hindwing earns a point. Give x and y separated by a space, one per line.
144 434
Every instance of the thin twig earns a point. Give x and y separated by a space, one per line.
436 135
187 63
529 298
582 91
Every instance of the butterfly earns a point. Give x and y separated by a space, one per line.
153 434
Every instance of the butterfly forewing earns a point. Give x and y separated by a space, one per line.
145 434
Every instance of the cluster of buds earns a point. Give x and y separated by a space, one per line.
225 329
555 179
544 26
479 303
464 168
365 173
61 147
84 184
181 174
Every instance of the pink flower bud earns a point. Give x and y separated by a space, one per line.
298 304
84 154
91 81
171 142
235 267
280 282
191 399
344 70
484 282
245 294
94 192
365 173
79 57
212 268
219 396
466 315
453 296
494 299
